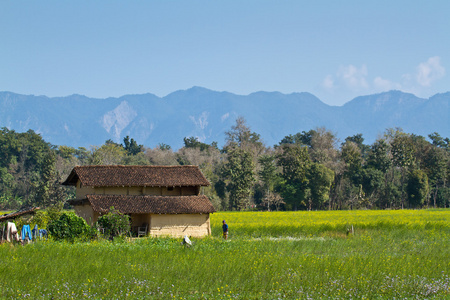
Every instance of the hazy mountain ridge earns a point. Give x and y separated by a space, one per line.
77 120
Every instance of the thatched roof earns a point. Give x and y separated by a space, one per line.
19 213
148 204
110 176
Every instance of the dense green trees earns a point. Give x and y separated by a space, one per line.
27 170
417 188
269 178
320 180
294 161
131 146
239 171
306 170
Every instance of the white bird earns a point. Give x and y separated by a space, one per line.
187 241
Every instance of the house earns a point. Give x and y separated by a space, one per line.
164 199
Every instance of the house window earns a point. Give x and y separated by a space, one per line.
170 188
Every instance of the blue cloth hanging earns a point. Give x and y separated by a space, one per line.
35 232
42 233
26 232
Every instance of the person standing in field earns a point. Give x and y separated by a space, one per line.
225 229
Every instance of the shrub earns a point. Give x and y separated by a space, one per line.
41 219
114 223
68 227
54 213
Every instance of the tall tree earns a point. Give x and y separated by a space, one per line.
323 147
359 141
193 142
157 156
403 157
269 177
240 172
439 141
131 146
435 165
268 173
294 160
301 138
352 172
372 181
23 161
380 158
351 154
417 188
320 180
107 154
241 136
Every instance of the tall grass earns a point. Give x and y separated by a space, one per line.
387 261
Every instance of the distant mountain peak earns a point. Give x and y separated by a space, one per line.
150 120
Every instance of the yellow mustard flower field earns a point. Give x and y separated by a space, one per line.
403 254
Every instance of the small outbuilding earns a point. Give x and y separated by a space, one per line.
165 200
8 230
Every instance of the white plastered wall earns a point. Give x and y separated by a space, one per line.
179 225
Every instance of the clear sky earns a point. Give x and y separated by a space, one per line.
336 50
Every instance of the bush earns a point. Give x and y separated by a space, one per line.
69 227
41 219
54 213
114 223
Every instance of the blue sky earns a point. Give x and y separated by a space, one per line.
336 50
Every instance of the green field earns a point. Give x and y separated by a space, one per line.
402 254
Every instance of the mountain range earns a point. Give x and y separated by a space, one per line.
78 120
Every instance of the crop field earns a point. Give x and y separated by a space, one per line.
402 254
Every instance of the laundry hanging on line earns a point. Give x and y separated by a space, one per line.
11 232
26 233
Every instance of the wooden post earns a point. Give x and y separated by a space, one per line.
3 231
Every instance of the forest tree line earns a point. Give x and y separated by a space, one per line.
305 171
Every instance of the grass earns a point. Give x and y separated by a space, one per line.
292 255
